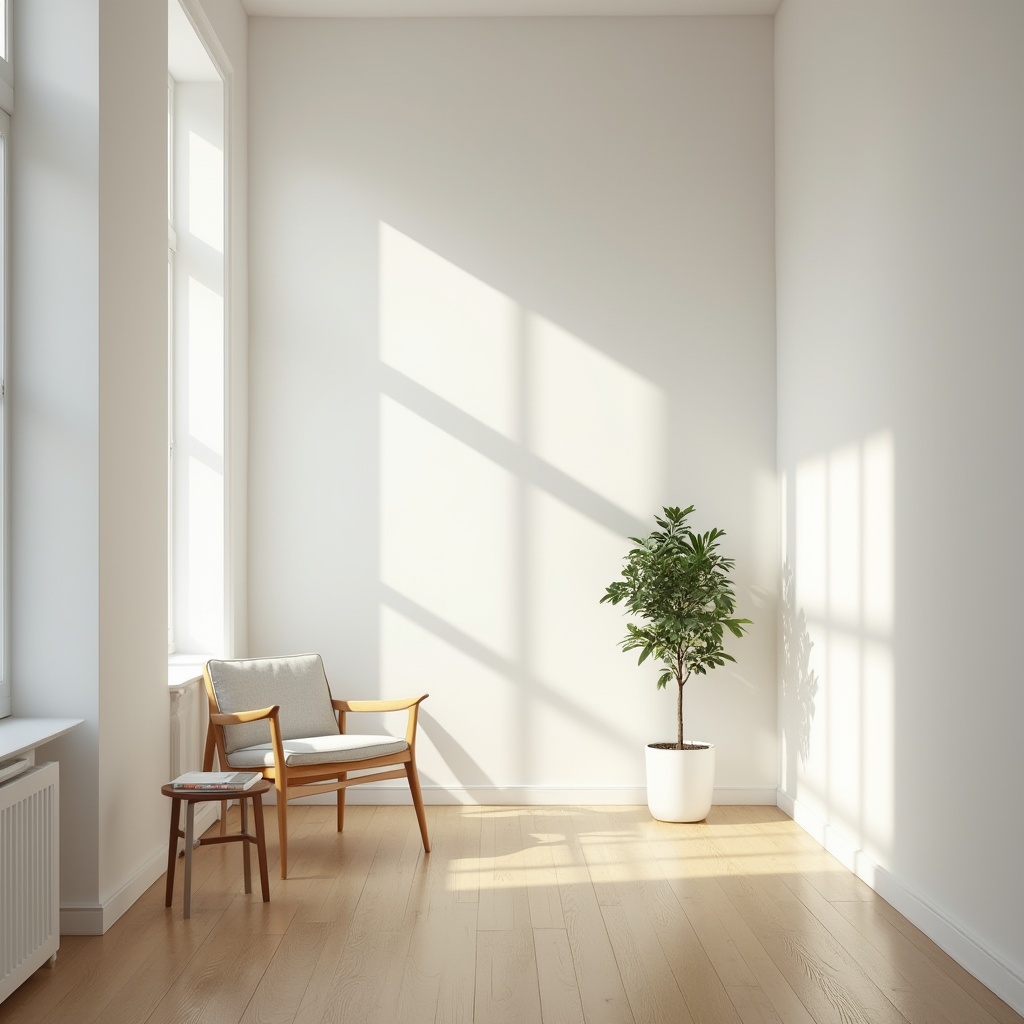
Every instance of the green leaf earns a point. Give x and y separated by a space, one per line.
675 585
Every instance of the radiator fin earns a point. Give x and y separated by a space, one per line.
29 911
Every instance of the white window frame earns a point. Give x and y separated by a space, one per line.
6 107
6 61
172 247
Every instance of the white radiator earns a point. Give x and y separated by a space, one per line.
190 718
29 869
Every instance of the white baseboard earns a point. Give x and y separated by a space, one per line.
733 795
96 919
530 796
966 949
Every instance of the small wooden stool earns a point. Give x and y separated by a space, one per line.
191 797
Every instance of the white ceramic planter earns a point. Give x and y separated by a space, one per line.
680 783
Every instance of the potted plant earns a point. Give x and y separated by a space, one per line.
677 585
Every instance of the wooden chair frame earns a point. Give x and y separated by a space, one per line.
292 782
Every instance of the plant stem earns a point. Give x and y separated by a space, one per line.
679 716
679 702
681 680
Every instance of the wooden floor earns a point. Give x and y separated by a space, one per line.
520 915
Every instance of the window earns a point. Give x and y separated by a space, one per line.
197 332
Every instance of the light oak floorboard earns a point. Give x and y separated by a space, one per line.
826 977
690 863
983 996
630 871
507 990
600 984
539 841
537 915
560 999
753 1005
277 997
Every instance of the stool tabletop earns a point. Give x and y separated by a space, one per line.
256 789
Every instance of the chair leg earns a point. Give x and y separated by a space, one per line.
172 848
417 801
282 823
341 802
261 845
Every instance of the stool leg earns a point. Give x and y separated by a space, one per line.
172 848
261 845
243 810
190 816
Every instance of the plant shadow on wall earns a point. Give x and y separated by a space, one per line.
508 474
799 681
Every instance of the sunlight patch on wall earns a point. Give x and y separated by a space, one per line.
844 549
206 192
593 418
879 725
879 534
449 332
512 453
844 557
449 533
844 746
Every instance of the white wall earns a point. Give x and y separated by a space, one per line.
134 731
88 376
87 387
512 291
900 156
53 395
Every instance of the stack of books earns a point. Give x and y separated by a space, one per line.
227 782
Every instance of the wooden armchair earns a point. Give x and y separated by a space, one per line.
276 716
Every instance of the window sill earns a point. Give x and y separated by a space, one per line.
185 669
22 735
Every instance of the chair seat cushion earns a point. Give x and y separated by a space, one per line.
318 750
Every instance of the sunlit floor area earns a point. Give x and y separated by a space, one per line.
519 915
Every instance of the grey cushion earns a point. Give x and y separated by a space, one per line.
318 750
298 684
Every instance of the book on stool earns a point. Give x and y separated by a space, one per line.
215 782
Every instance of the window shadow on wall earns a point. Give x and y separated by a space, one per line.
838 688
515 460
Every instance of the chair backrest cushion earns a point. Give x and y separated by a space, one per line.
298 684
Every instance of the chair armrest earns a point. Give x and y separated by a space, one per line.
411 704
241 717
378 705
272 714
215 734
